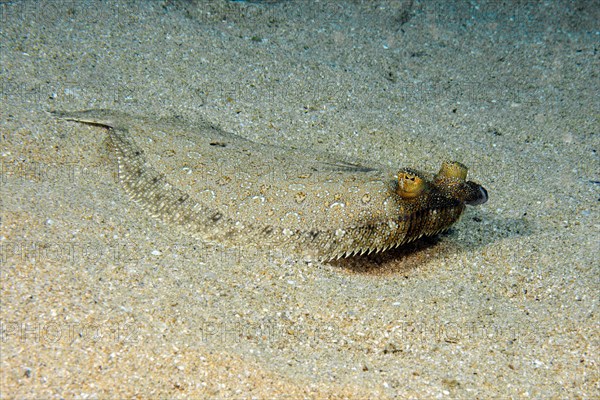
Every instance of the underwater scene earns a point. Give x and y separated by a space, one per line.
299 199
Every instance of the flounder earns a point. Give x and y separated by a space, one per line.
223 188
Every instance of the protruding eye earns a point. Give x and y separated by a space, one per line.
453 170
409 185
452 181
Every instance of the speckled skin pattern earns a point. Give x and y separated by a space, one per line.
223 188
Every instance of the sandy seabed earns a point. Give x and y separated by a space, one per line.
100 300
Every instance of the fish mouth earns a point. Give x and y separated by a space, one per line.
480 199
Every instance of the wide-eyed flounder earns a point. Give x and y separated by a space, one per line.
223 188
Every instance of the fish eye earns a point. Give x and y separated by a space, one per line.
410 185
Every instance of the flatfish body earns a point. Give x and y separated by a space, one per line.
223 188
